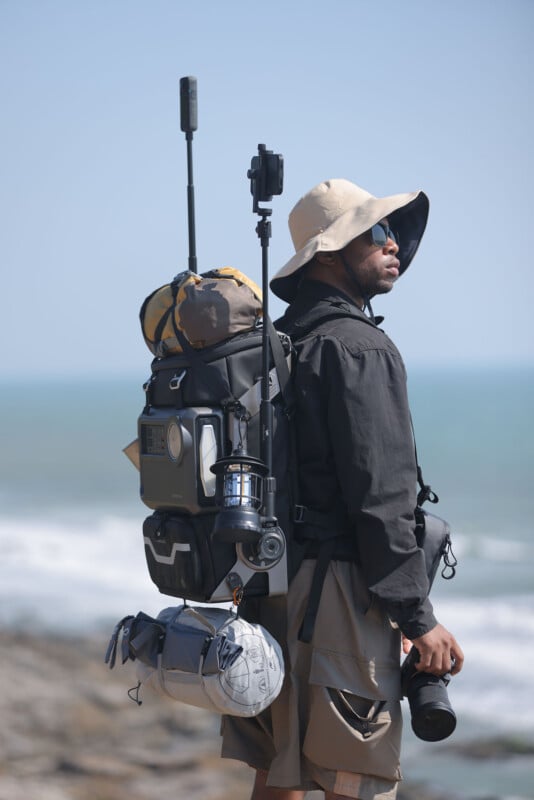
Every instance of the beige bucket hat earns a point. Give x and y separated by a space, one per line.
334 213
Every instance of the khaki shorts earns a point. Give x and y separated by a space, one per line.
337 723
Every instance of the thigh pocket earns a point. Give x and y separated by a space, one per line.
352 727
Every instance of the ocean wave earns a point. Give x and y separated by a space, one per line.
496 635
67 575
492 548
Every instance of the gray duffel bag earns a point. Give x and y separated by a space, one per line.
203 656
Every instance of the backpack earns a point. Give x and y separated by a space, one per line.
202 405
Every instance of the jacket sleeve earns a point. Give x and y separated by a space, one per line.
373 449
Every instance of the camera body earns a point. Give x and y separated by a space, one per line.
433 718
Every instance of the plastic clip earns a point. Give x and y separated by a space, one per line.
176 380
451 562
237 596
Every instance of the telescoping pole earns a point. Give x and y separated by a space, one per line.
263 230
188 124
266 179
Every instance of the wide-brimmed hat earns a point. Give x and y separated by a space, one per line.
334 213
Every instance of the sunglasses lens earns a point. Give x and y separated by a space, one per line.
378 235
381 233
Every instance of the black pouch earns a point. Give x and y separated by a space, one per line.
183 560
187 648
433 536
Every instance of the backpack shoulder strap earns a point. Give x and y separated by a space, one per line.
281 366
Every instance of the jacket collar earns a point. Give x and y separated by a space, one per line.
316 301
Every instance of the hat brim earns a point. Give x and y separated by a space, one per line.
407 215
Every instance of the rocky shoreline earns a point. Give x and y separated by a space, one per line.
70 732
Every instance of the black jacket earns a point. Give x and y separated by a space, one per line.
355 446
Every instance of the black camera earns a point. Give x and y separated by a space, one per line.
266 175
432 716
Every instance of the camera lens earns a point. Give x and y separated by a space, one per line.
432 716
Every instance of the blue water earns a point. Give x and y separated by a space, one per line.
62 442
72 555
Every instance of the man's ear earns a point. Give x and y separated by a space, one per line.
327 259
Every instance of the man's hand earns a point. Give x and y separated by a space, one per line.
439 652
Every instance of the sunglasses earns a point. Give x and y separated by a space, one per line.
381 232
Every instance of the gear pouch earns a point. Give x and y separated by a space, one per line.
182 557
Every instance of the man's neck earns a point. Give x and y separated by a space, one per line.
331 276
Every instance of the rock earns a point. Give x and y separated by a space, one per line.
69 731
493 748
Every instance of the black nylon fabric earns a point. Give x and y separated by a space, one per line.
355 445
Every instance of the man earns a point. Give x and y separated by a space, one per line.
362 582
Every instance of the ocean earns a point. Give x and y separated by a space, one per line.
72 554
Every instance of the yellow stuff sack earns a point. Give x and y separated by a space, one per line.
204 309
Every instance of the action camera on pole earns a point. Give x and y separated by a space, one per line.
266 175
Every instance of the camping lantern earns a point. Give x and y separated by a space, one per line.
240 494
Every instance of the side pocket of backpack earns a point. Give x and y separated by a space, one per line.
182 557
173 555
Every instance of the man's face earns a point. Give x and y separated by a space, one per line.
375 267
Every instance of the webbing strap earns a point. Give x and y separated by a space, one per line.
425 490
161 325
281 366
308 623
279 378
251 399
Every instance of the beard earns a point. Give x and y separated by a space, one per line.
382 287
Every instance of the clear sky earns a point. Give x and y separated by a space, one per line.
392 95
